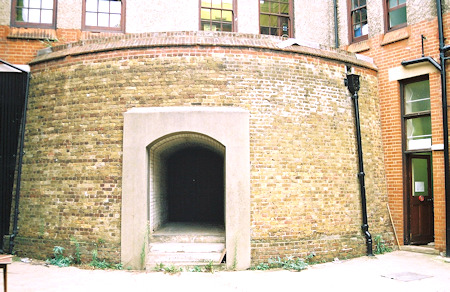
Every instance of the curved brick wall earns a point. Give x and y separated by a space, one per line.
304 188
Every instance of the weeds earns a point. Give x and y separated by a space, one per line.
168 269
59 259
287 263
380 245
196 269
77 259
62 261
209 267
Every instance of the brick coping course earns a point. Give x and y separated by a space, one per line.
197 38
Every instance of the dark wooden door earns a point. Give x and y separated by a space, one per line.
421 200
196 186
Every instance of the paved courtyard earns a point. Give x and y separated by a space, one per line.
396 271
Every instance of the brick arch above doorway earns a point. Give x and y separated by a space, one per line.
148 126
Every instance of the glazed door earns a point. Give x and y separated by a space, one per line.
421 200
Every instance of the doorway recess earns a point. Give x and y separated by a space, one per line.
156 140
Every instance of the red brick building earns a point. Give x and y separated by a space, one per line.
407 54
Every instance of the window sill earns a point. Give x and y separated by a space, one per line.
32 34
396 35
359 47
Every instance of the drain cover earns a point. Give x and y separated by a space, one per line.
406 276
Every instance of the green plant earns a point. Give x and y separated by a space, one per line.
103 264
172 269
159 267
118 266
262 267
287 263
96 263
196 269
77 259
380 245
59 259
209 267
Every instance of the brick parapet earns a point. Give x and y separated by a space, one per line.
196 38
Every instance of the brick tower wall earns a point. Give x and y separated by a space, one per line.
304 188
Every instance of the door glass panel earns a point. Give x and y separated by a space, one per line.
418 131
419 177
417 97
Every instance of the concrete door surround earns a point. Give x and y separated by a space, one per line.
146 127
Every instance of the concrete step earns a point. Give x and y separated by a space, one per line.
187 238
426 249
175 247
184 254
180 257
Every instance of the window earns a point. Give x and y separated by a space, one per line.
216 15
104 15
275 17
358 20
416 114
395 11
33 13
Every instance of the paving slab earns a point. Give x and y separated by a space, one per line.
396 271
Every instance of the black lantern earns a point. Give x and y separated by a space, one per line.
352 82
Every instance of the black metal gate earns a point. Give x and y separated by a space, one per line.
13 92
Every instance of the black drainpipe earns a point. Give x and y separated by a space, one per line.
442 49
336 33
352 83
19 168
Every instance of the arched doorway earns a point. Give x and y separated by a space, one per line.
186 177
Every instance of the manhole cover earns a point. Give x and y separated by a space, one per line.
406 276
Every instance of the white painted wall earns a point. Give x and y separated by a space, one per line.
5 12
247 16
69 14
314 21
162 15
